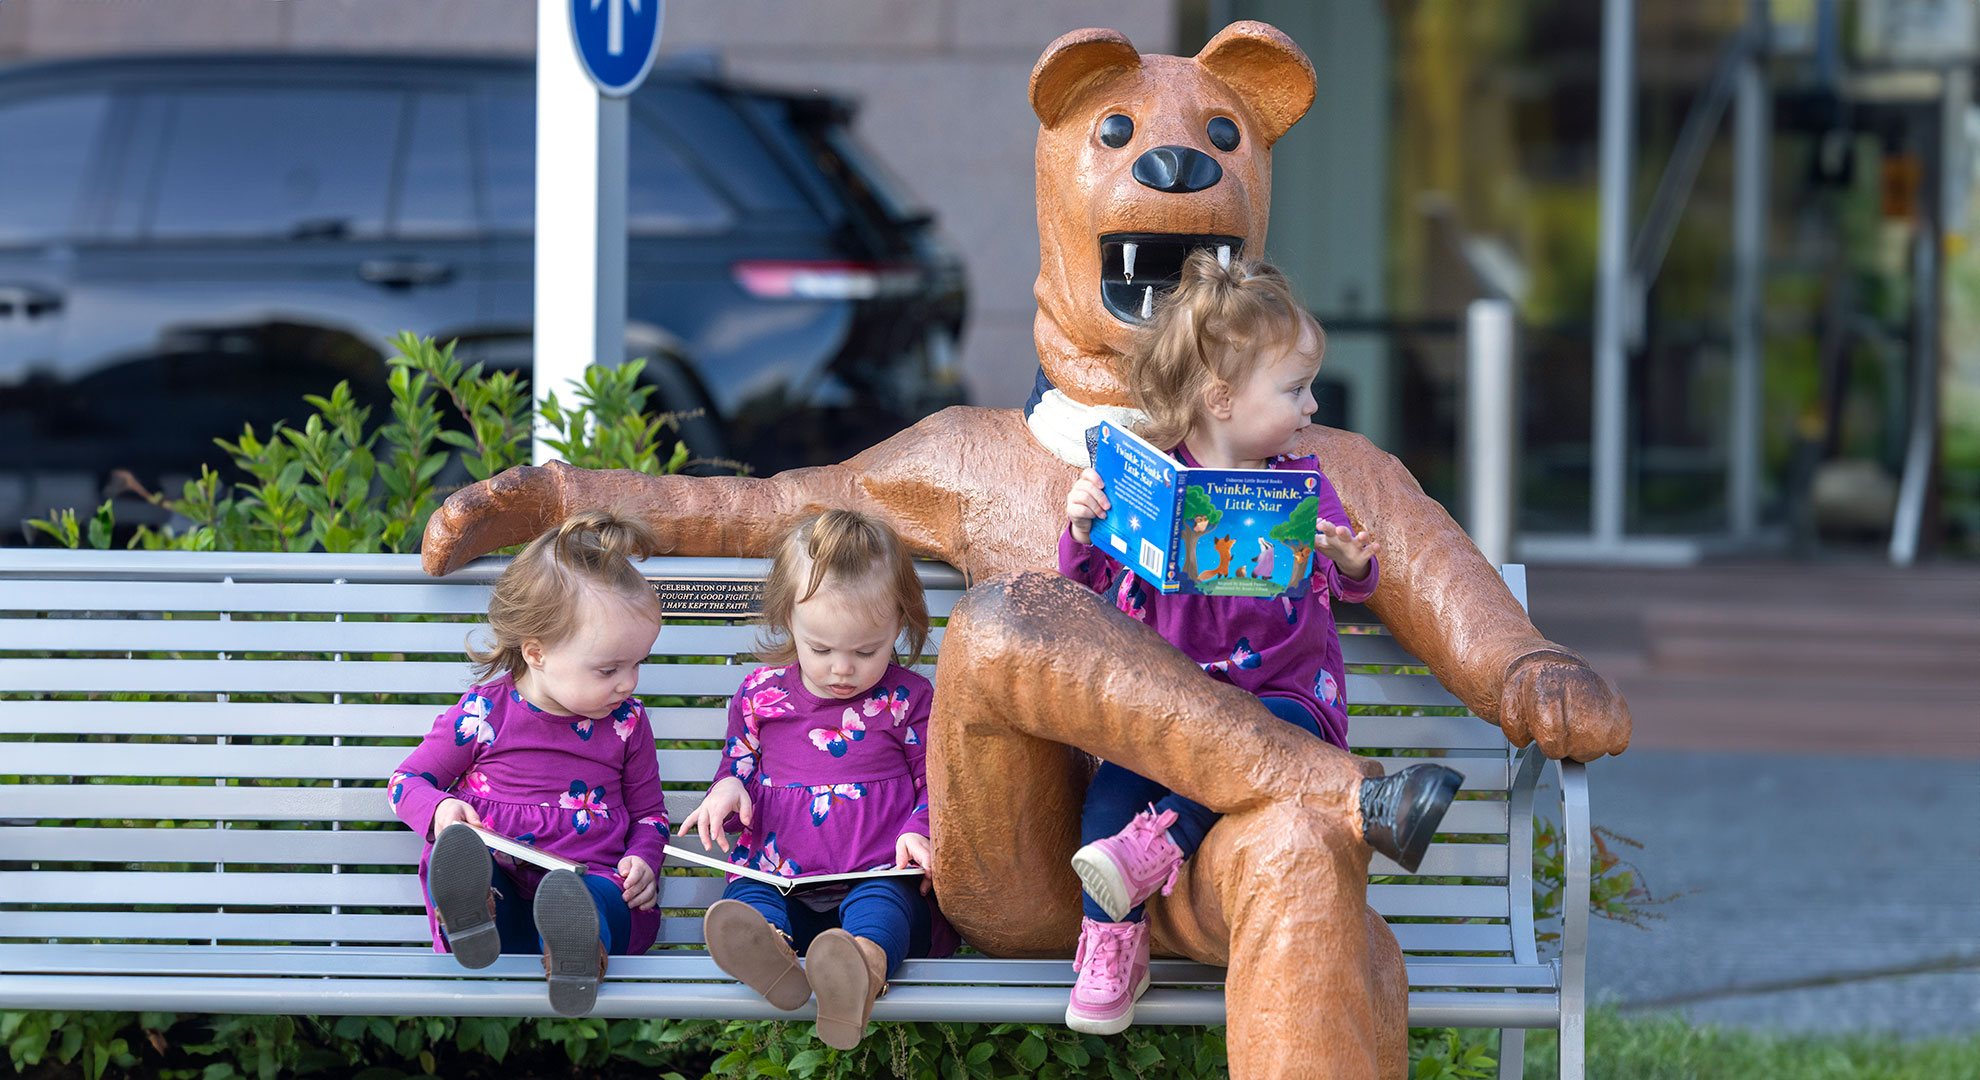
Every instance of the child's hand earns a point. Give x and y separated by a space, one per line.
1351 551
642 888
912 850
1085 502
448 812
728 796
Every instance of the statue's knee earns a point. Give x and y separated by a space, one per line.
1017 614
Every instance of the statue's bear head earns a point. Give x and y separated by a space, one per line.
1142 159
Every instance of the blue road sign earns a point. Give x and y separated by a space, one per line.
617 41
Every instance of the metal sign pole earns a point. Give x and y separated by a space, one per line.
1608 476
590 54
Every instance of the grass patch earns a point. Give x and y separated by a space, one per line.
1666 1047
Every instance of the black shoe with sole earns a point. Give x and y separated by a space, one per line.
567 921
1400 812
458 876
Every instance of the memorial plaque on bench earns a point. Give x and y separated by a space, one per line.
709 597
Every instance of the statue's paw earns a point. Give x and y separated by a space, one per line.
1566 706
511 507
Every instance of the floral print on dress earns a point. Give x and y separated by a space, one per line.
914 737
745 755
1242 657
659 823
582 725
894 703
625 718
473 725
1326 689
398 783
762 675
585 805
1129 597
476 783
826 796
835 740
761 705
769 860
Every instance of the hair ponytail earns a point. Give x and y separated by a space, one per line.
1211 327
845 551
538 596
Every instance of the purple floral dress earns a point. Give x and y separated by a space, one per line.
582 789
1272 647
833 784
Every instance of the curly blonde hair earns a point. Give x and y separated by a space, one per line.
538 596
1214 326
848 551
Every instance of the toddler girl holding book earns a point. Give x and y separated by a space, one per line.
1223 370
824 773
552 750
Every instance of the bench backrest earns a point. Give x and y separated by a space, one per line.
193 748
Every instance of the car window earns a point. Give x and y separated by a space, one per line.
276 162
436 193
663 194
727 146
507 134
45 146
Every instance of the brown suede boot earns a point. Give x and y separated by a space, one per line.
846 973
744 944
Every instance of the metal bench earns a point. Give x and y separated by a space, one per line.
193 817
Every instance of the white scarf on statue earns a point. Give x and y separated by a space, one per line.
1060 424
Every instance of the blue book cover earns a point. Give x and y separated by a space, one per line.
1214 532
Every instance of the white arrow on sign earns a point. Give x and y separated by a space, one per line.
615 29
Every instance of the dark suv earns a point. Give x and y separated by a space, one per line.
190 243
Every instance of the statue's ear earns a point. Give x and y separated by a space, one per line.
1267 70
1075 60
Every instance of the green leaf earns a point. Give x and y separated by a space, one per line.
980 1053
1031 1052
805 1062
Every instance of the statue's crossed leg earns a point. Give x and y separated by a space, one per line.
1033 664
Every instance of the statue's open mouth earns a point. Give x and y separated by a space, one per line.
1137 268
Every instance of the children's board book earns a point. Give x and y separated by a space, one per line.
1214 532
781 883
516 849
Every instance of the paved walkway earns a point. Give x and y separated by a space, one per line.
1805 779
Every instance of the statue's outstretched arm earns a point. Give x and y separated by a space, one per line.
699 515
1447 605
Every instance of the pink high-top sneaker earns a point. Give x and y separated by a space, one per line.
1113 972
1124 869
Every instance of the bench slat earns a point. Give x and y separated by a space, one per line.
400 847
403 890
165 676
403 962
303 597
205 802
271 635
234 761
263 762
314 720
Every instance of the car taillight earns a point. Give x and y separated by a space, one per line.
774 279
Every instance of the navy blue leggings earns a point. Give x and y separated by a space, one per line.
1116 795
515 920
890 912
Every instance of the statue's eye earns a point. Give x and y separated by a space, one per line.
1223 133
1116 130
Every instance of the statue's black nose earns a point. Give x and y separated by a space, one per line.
1177 168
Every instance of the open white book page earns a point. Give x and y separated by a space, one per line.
518 850
786 884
